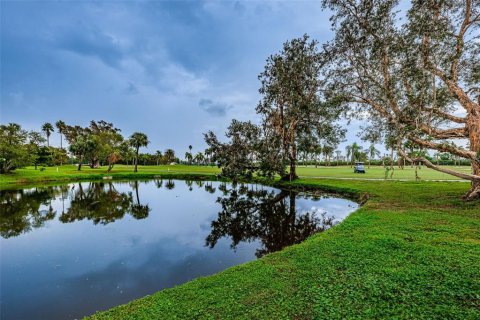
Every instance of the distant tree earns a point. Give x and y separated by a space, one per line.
355 152
35 142
80 144
61 126
199 158
327 151
348 151
189 157
47 128
169 156
126 151
138 140
158 156
372 153
14 152
338 153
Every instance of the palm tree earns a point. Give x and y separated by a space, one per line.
47 128
137 140
169 156
355 152
158 156
61 129
199 157
338 152
188 157
372 152
348 150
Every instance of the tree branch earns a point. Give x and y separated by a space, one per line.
446 115
430 165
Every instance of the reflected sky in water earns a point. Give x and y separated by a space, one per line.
70 250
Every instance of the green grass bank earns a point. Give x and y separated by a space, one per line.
411 252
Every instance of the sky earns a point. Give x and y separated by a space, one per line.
170 69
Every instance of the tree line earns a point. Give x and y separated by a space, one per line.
100 143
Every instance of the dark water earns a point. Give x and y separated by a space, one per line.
68 251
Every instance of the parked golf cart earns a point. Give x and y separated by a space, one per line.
359 167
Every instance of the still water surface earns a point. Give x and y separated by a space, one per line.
70 250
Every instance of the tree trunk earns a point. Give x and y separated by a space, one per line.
61 148
293 166
136 161
80 160
473 124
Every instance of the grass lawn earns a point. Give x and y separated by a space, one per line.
411 252
70 172
378 172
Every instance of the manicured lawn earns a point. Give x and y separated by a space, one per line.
411 252
378 172
70 172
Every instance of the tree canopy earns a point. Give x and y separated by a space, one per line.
417 78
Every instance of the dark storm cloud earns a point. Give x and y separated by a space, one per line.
216 109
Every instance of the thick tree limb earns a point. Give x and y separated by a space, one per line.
467 154
446 115
430 165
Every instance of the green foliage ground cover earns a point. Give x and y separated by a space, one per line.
411 252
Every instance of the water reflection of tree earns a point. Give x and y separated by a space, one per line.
139 211
20 210
250 213
102 203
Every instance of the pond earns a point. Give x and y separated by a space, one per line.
70 250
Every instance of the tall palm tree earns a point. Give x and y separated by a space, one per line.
60 129
372 152
355 152
47 128
158 156
188 157
338 152
138 140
